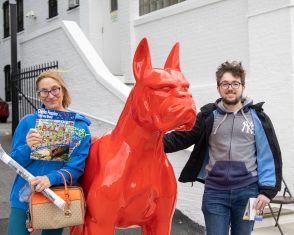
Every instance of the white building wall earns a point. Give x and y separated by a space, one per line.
89 15
5 60
110 38
128 42
270 25
88 95
292 103
31 25
90 21
102 29
210 32
40 8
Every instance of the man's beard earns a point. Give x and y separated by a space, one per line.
232 102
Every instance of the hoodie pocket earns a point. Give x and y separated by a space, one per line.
218 174
228 173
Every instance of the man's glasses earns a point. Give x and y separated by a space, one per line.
44 93
226 85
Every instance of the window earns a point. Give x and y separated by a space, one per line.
19 9
52 5
6 19
147 6
113 5
73 4
7 83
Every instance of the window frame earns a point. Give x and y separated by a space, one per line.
52 10
7 78
6 20
76 4
113 5
148 6
20 21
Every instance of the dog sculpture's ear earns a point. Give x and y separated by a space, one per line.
142 60
173 60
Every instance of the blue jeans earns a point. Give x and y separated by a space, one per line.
222 208
17 224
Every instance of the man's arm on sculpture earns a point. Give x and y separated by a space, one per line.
179 140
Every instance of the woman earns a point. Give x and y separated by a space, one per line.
54 95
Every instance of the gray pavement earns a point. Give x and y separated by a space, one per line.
181 224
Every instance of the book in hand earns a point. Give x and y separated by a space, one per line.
56 128
250 213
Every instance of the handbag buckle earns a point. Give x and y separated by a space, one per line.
67 213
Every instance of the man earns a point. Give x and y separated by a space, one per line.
236 154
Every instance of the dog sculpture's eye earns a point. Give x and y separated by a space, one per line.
166 88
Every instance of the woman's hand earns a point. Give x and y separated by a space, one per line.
40 183
260 202
33 138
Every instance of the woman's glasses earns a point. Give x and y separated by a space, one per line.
44 93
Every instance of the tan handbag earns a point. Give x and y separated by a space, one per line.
45 215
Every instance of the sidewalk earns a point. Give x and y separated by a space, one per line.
266 227
6 174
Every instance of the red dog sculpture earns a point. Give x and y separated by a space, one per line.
128 179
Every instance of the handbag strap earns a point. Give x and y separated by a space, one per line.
67 211
70 176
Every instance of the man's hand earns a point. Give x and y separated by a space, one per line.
260 202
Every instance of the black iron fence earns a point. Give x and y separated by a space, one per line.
28 99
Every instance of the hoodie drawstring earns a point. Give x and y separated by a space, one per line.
244 116
224 118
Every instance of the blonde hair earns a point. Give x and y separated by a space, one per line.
55 75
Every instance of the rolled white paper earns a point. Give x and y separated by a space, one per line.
4 157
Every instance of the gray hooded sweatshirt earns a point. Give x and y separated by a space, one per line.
232 151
